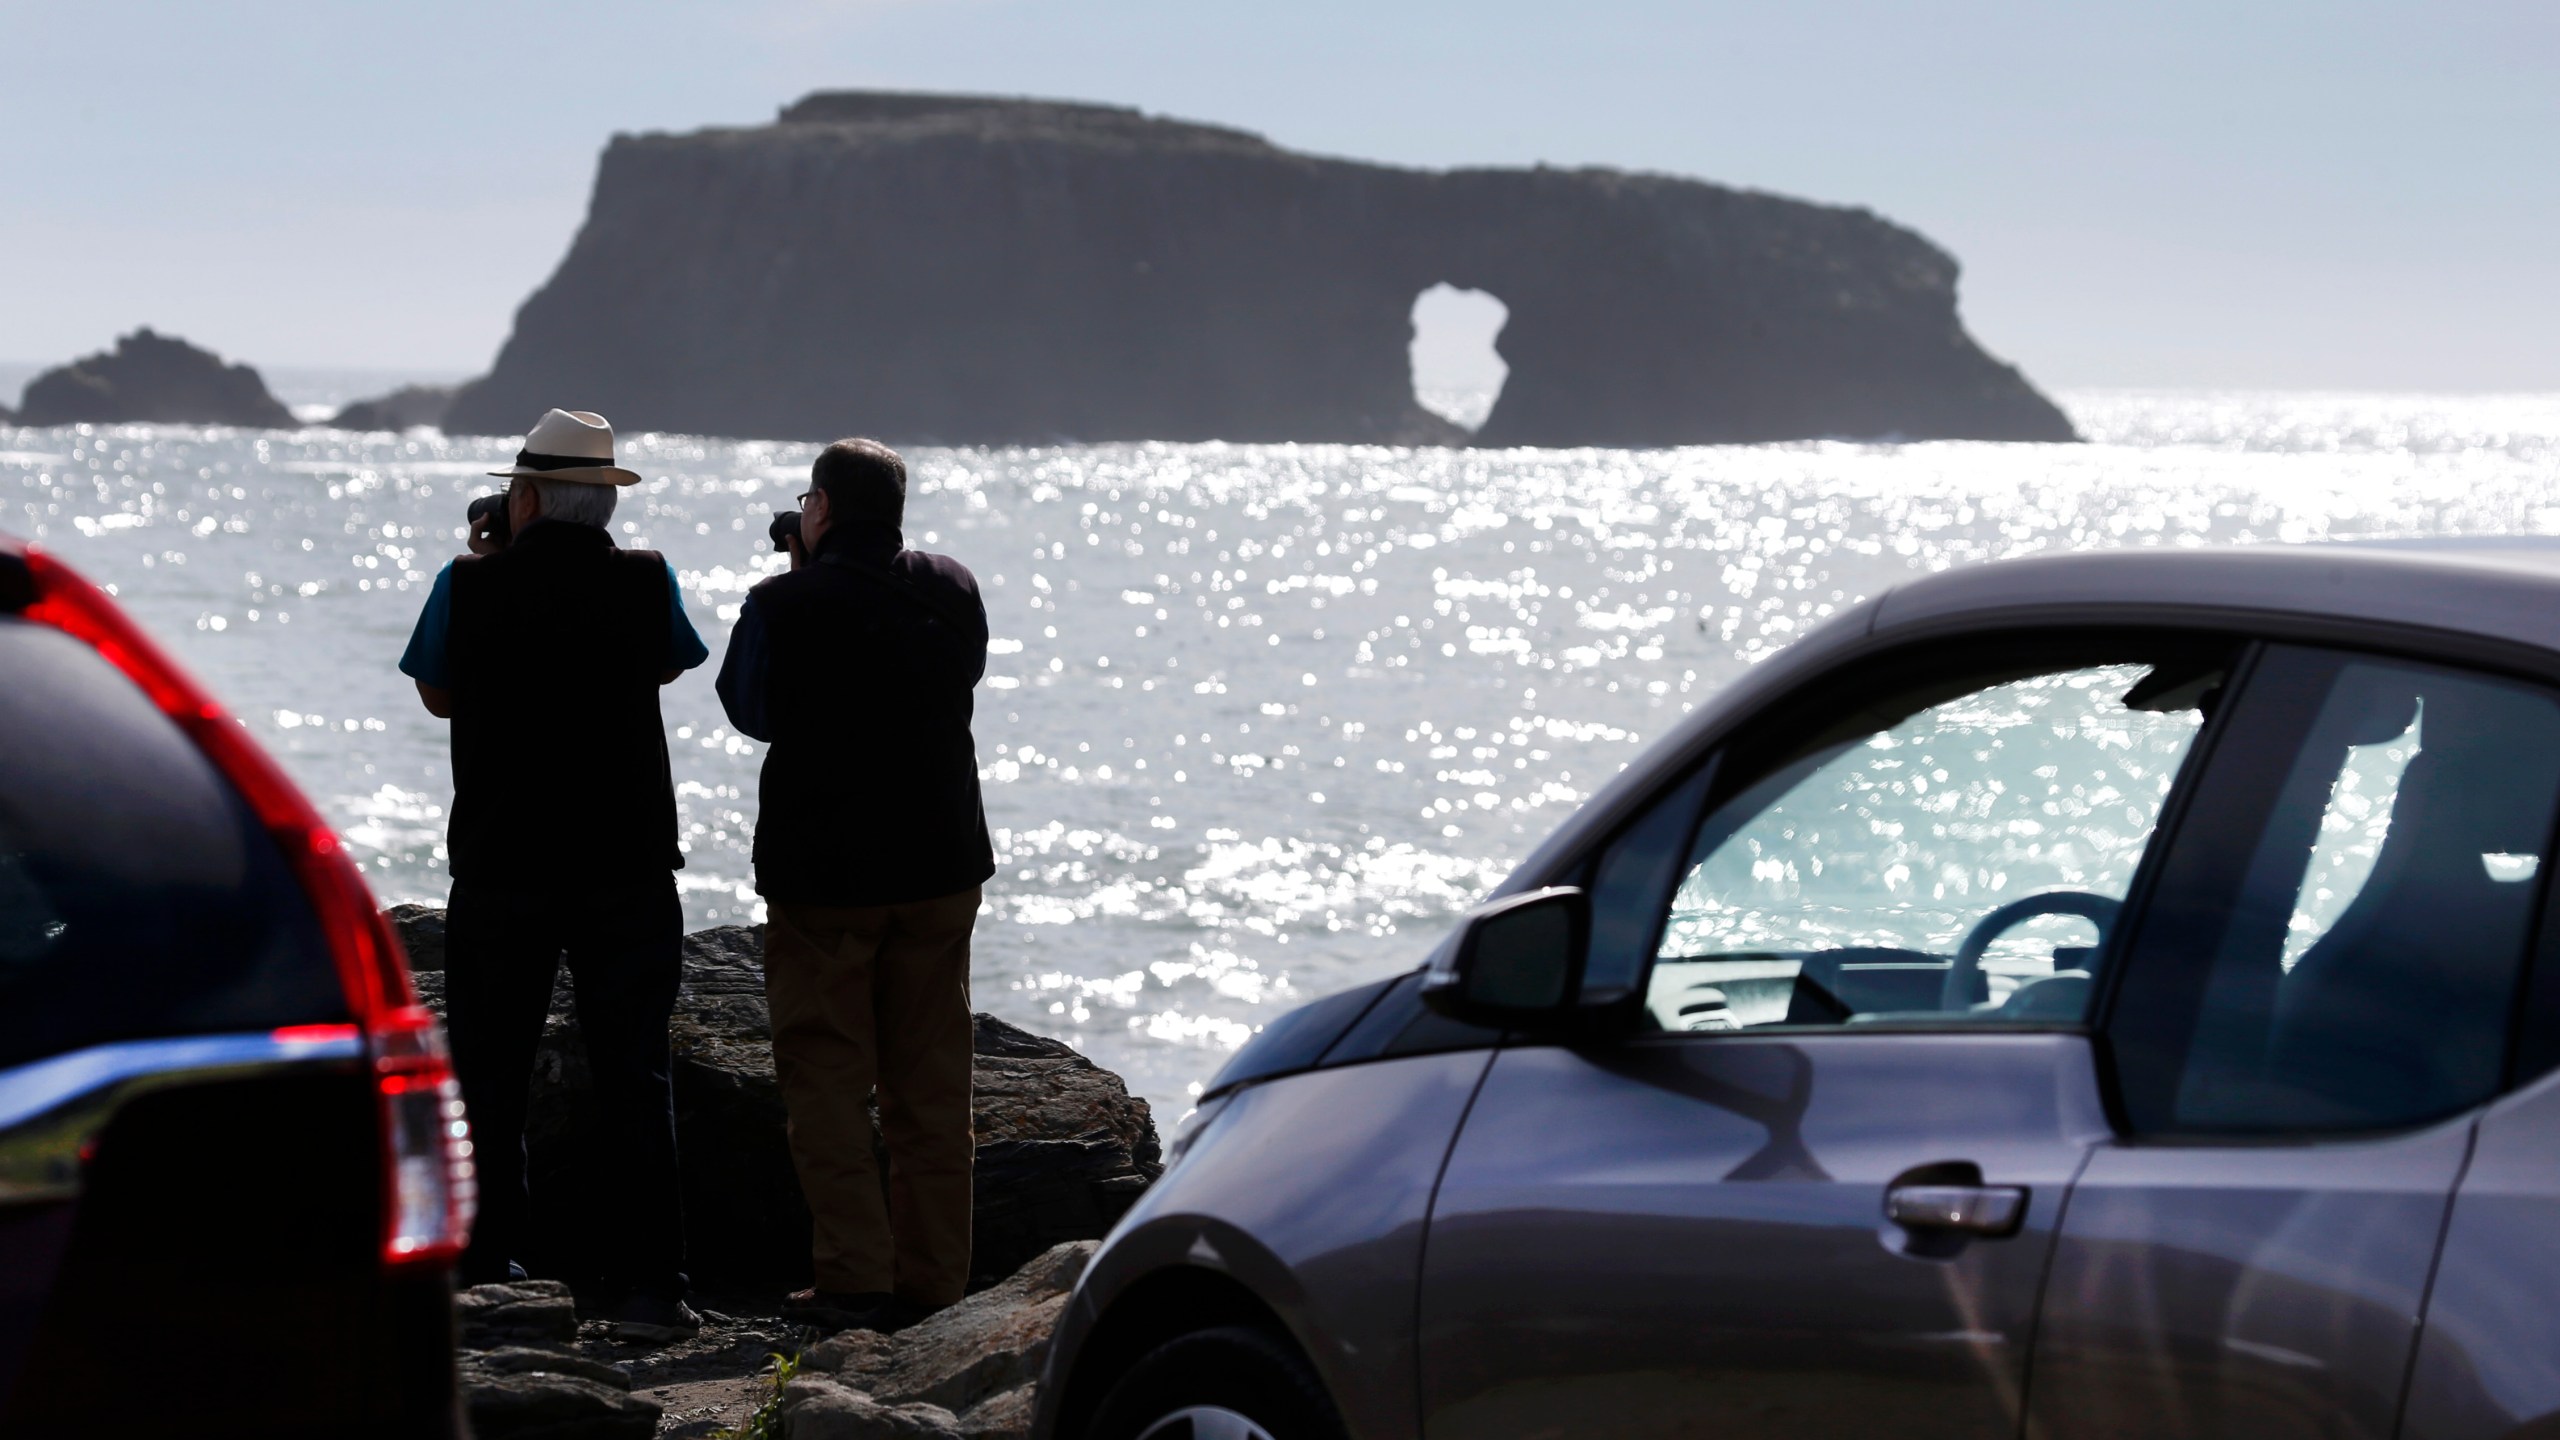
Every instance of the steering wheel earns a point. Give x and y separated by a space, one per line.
2098 910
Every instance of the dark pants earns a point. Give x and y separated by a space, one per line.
622 941
865 998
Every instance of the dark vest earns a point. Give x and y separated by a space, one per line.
870 790
559 754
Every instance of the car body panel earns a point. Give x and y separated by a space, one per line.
34 1237
1689 1235
52 1113
1298 1040
1312 1192
2257 1290
2489 1359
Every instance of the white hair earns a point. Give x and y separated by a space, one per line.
575 501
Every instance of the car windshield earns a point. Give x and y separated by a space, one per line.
2014 814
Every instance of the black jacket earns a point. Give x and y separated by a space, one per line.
559 753
857 670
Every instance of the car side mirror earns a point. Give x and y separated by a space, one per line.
1515 964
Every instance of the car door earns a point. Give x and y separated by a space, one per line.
1815 1196
2489 1356
2313 1005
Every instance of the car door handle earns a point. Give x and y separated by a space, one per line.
1964 1209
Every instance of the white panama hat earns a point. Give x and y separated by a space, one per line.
570 445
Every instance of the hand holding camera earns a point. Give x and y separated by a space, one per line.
785 531
491 527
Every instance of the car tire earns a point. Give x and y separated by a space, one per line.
1231 1383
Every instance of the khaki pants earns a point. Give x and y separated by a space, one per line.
878 995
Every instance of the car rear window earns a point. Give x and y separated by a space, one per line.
139 896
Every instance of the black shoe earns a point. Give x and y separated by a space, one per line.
833 1310
836 1310
651 1320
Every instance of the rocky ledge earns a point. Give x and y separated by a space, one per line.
531 1367
1063 1147
968 1371
152 377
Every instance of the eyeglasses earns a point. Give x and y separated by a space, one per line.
805 497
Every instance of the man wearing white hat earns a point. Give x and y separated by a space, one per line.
547 654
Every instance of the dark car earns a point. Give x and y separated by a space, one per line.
2094 996
234 1172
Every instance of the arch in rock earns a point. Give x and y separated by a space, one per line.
975 271
1458 369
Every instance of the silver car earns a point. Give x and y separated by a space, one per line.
2105 995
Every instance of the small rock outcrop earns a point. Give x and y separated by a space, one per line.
968 1371
523 1380
1063 1147
529 1312
548 1401
531 1366
818 1409
152 377
409 405
972 270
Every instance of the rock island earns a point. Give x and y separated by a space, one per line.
966 270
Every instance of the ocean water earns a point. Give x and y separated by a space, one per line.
1260 720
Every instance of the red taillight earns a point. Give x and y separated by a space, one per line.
427 1145
434 1185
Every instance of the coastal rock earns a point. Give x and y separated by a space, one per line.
529 1312
1063 1148
557 1404
409 405
152 377
421 930
1002 1417
817 1408
520 1379
978 1360
983 271
522 1360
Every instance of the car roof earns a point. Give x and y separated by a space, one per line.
2504 587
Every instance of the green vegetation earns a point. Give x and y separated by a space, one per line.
766 1422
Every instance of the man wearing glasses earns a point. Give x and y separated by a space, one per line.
856 668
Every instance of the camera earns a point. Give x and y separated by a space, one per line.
488 516
784 529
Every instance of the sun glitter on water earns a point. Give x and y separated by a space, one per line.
1259 719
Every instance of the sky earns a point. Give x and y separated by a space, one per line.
2273 194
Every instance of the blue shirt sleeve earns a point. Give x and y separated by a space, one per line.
425 660
684 644
742 674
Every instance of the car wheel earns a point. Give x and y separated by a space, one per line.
1232 1383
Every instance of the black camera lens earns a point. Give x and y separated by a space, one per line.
488 515
784 529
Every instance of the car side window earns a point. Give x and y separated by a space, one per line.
2339 934
1956 856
